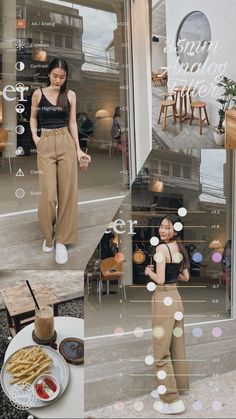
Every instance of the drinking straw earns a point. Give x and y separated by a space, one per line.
151 261
31 292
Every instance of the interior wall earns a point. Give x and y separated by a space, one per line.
159 57
222 21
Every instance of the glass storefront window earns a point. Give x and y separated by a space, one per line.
99 73
205 191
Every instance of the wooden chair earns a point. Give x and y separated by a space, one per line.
160 77
165 104
3 143
111 271
201 106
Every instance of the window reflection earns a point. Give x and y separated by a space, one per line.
98 73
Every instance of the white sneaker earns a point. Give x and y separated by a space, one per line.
45 248
154 394
169 408
61 254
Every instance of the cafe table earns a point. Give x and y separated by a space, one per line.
71 403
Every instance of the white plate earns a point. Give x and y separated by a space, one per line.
59 369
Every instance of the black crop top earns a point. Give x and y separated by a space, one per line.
52 116
172 270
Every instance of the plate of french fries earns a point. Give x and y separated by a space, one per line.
28 363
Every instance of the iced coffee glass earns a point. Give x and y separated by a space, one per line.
44 322
83 163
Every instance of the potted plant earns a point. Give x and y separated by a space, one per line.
227 98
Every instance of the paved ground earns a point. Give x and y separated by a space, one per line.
213 397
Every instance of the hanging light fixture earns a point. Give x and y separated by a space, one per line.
102 113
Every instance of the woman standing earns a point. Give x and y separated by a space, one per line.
58 151
119 135
167 318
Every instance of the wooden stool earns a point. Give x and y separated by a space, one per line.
20 307
166 95
201 106
164 109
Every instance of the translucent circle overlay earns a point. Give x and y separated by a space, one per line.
197 257
158 332
149 360
20 129
119 331
197 406
216 332
20 193
22 396
182 212
216 405
216 257
177 257
178 315
154 241
156 405
197 332
158 257
178 332
19 66
161 389
151 286
178 226
138 406
138 332
168 301
119 405
161 375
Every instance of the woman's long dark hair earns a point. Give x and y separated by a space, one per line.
117 111
58 62
174 218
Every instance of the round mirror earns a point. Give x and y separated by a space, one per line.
193 41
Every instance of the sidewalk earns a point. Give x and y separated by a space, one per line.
213 397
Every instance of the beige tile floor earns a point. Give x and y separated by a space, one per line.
209 398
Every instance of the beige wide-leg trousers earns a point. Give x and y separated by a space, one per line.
168 343
58 186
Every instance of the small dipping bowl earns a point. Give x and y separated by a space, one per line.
46 384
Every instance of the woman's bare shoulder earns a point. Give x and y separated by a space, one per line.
161 248
71 94
37 93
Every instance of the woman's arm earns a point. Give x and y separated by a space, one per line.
184 275
33 116
159 276
73 124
